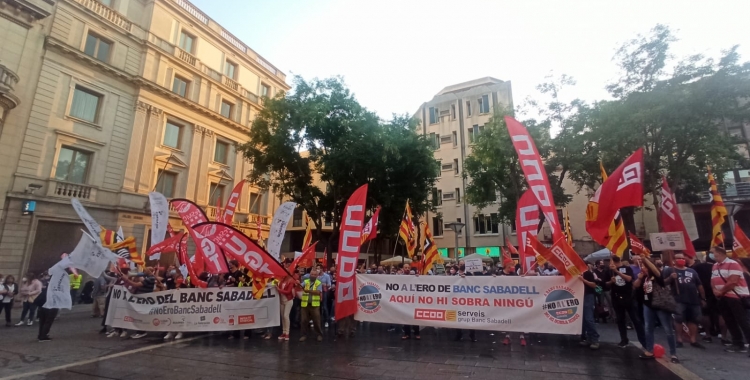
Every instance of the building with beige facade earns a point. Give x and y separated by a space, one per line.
120 98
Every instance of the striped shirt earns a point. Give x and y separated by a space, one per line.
727 269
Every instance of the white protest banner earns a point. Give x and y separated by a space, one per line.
184 310
159 216
90 257
91 224
473 265
278 228
58 290
666 241
504 303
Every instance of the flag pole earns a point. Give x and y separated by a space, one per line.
163 170
396 245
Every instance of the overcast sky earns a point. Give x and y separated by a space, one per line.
397 54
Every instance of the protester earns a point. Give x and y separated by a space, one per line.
144 283
650 284
30 289
549 270
310 305
286 296
509 269
589 337
689 294
46 316
325 279
8 292
730 288
101 288
409 329
75 285
603 298
621 285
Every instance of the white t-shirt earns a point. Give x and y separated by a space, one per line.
7 298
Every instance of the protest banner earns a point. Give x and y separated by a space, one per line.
523 304
185 310
473 265
665 241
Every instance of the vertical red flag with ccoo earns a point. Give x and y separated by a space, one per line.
670 219
536 175
624 188
527 223
228 216
349 242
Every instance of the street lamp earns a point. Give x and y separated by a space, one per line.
456 227
732 210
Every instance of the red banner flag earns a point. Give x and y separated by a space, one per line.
185 260
544 255
305 260
536 175
171 244
170 230
624 188
206 252
570 260
527 223
637 246
346 261
670 219
370 231
228 215
242 248
741 245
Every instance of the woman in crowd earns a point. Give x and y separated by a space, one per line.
648 283
286 297
8 292
30 289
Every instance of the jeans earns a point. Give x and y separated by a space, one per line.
735 316
649 317
589 326
7 307
46 317
628 307
324 306
30 308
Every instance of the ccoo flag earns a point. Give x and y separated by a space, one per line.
350 238
670 219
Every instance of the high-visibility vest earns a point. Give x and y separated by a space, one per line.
75 281
306 296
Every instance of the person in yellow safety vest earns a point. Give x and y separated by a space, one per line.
75 284
312 288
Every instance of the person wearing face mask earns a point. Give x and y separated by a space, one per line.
30 289
604 299
711 321
730 288
409 329
690 297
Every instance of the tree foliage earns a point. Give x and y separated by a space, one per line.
319 133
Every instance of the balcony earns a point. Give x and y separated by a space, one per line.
732 192
108 13
231 83
8 81
185 56
59 189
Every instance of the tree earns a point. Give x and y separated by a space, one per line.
320 132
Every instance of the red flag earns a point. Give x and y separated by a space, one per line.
242 248
544 254
349 243
170 230
670 219
507 259
185 260
228 215
536 175
370 231
207 254
527 223
637 246
572 263
305 260
741 245
623 188
171 244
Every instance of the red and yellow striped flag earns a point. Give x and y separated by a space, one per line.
617 241
741 245
431 254
407 231
718 212
308 234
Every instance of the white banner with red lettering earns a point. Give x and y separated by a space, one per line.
504 303
185 310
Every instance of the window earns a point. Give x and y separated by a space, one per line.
434 115
72 165
437 226
109 3
455 139
437 197
453 112
265 90
254 203
455 166
297 217
216 195
457 191
187 42
513 226
230 70
97 47
165 183
180 86
172 135
435 141
221 151
468 108
85 105
484 104
439 164
474 133
226 109
486 224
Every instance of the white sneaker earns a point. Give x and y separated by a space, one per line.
169 336
139 336
21 323
29 323
178 336
124 334
326 324
112 334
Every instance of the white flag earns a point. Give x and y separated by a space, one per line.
58 290
91 224
278 228
159 217
90 257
